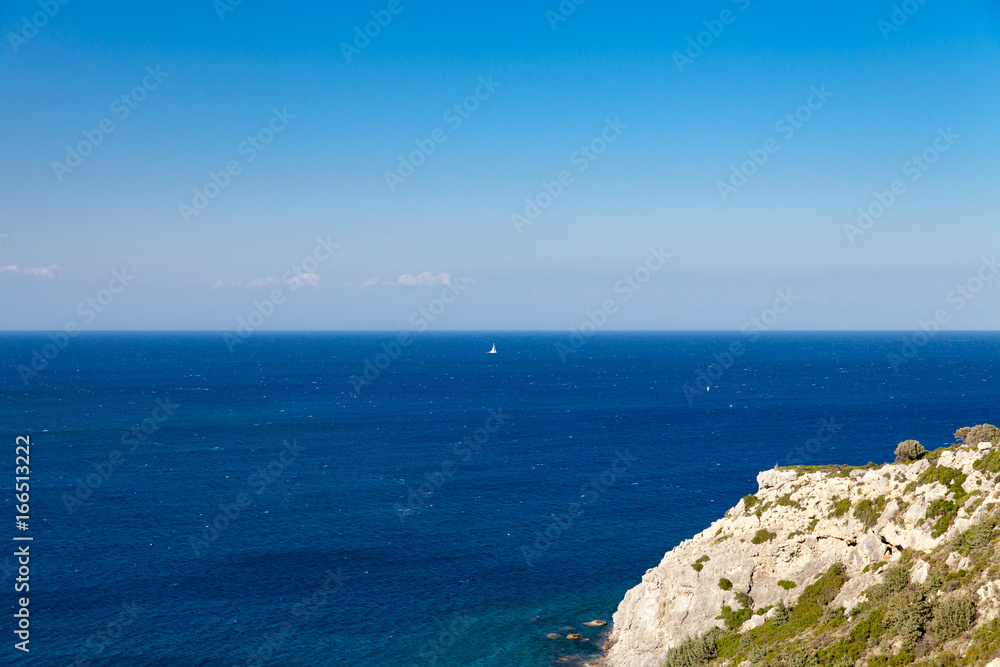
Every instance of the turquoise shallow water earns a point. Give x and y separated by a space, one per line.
453 512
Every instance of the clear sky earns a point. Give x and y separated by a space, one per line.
319 141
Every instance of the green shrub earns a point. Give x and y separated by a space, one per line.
786 501
893 581
847 650
763 535
781 614
840 507
801 659
728 645
903 658
756 654
985 643
809 607
990 462
868 512
909 450
952 616
945 512
981 433
744 599
908 615
980 535
748 502
951 478
734 619
786 584
700 563
695 651
961 433
725 584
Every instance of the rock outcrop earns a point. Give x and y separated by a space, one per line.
774 543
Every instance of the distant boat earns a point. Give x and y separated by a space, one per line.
494 350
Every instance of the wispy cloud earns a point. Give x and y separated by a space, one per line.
295 282
270 281
425 278
421 279
303 280
37 271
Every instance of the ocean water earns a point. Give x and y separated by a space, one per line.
452 511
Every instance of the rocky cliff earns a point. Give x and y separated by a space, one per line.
748 570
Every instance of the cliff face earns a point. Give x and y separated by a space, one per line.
772 545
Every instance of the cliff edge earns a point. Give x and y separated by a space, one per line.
908 552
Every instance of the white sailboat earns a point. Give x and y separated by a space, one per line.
494 350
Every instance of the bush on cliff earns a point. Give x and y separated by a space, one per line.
868 512
909 450
952 616
734 619
694 651
978 434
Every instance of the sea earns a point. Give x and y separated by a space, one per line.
315 499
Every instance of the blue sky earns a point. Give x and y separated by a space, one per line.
889 92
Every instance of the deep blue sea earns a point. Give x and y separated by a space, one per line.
196 505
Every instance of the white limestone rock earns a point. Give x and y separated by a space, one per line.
803 539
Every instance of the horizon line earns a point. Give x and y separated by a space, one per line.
499 331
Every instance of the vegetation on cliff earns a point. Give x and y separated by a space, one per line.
939 606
